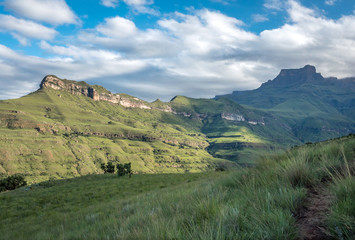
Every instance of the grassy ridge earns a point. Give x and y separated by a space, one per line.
54 134
257 203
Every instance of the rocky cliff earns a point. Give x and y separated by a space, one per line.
95 92
295 77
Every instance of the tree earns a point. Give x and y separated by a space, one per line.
12 182
110 167
124 169
128 170
104 167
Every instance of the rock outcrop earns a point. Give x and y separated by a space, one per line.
292 77
97 93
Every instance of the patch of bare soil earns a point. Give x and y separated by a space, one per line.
311 218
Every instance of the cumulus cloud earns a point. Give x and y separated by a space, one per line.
55 12
122 35
200 54
22 29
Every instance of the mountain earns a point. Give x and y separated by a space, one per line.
313 107
68 128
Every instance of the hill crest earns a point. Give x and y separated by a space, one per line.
95 92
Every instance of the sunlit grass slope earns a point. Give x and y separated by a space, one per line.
56 134
240 141
253 203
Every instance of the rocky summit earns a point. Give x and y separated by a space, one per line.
95 92
294 77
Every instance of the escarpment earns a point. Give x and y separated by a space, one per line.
97 93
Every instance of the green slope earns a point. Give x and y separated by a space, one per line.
251 203
65 133
243 140
56 134
313 107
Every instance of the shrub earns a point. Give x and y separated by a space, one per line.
103 167
108 168
12 182
124 169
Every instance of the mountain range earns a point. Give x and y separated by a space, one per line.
68 128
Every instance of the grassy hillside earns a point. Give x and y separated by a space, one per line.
242 140
265 202
314 108
69 132
62 133
56 134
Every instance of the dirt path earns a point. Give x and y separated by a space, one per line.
311 219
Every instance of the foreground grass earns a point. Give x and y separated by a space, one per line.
258 203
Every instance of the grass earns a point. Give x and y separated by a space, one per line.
54 134
253 203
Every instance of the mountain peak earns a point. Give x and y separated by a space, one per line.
97 93
290 77
76 88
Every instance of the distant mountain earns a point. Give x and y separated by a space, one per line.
314 107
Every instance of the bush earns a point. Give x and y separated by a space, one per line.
12 182
124 169
103 167
108 168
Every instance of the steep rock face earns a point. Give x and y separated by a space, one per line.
292 77
82 88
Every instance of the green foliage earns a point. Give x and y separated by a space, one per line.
124 169
104 167
110 167
12 182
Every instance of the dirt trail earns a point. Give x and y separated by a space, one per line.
311 219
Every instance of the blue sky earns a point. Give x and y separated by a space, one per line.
158 48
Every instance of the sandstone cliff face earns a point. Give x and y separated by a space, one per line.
82 88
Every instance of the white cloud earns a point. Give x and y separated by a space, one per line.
22 40
109 3
55 12
274 4
224 2
117 27
138 2
122 35
330 2
260 18
141 6
22 29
